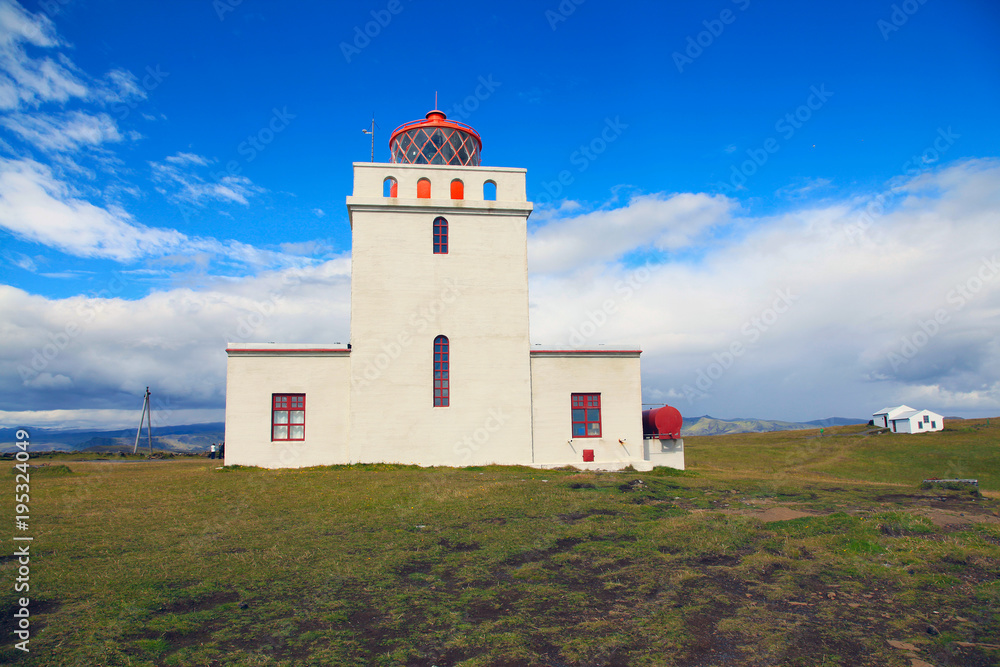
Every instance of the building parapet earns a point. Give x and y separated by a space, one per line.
509 182
288 350
595 351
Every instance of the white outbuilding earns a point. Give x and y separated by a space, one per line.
440 369
916 421
882 417
904 419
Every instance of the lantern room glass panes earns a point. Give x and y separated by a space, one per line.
436 145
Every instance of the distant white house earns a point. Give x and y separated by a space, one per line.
882 417
904 419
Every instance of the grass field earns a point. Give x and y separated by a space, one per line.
772 549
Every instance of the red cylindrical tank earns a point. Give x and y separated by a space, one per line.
664 423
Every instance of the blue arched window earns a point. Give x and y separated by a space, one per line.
440 236
441 363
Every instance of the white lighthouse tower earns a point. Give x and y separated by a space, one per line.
439 302
440 369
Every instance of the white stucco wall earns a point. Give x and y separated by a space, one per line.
256 371
369 177
403 296
669 453
914 423
555 375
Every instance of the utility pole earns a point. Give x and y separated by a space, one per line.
147 409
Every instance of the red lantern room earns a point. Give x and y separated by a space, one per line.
436 140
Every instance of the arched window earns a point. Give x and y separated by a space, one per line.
489 191
389 187
441 390
423 189
457 189
440 236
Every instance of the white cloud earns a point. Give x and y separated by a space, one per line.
662 222
47 381
100 352
20 260
815 309
29 81
188 158
36 206
306 248
120 85
856 300
105 419
178 180
63 132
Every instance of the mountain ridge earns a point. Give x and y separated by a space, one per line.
708 425
198 437
181 438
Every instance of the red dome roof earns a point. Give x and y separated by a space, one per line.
436 140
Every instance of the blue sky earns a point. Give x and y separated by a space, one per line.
164 165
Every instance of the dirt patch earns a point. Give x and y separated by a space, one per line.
448 545
495 521
941 518
722 560
199 604
775 513
782 514
573 517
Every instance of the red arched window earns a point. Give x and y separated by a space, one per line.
440 236
423 189
441 393
457 189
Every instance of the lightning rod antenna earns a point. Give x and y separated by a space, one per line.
372 133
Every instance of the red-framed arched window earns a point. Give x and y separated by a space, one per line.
423 189
440 236
441 364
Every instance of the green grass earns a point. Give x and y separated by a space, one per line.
969 449
178 563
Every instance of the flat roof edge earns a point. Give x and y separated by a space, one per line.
311 349
609 352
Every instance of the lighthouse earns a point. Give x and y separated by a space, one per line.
439 302
440 370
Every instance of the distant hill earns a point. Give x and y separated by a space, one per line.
184 438
707 425
198 437
836 421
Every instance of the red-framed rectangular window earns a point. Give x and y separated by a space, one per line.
586 415
288 417
441 363
440 236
